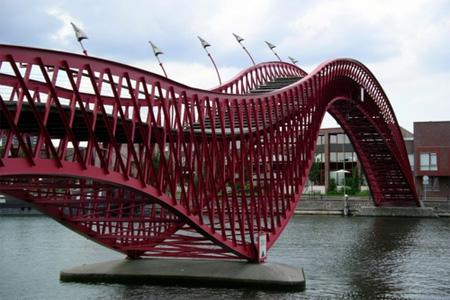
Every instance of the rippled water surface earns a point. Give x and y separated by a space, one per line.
345 258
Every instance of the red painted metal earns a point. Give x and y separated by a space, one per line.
150 167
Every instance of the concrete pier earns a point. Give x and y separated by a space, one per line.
208 273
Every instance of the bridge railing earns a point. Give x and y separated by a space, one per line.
137 92
258 75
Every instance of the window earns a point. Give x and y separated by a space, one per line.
320 140
346 139
339 138
428 161
348 156
333 157
333 139
338 177
340 156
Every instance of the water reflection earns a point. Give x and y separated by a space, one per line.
362 258
375 261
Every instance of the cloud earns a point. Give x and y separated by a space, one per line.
192 74
414 93
65 31
404 44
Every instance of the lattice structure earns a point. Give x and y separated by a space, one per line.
150 167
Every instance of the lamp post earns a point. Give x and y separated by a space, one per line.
205 44
293 60
80 35
425 181
239 40
272 46
157 52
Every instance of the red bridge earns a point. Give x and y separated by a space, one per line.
151 167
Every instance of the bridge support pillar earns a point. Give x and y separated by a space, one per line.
187 272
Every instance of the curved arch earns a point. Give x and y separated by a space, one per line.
149 166
387 179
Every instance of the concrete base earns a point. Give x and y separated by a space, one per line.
186 272
319 212
423 212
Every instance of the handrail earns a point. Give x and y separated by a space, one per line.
257 75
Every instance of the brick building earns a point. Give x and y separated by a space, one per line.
432 158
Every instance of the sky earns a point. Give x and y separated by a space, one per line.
404 43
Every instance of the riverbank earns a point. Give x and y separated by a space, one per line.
364 207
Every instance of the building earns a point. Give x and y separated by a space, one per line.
428 152
432 158
334 152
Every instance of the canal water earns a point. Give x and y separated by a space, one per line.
343 258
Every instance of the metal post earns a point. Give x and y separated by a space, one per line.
82 47
425 182
80 35
239 40
162 67
271 47
215 66
425 192
205 44
157 52
293 60
345 185
343 159
345 171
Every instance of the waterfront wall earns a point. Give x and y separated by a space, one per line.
363 206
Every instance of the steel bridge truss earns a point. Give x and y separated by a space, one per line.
150 167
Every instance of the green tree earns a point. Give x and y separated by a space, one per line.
314 173
354 182
332 185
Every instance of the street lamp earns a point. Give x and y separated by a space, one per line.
80 35
205 44
425 182
239 40
293 60
157 52
272 46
